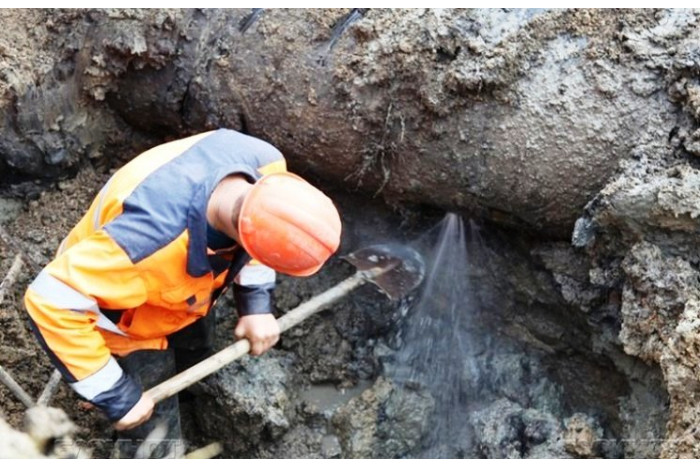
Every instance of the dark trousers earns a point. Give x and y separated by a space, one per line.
151 367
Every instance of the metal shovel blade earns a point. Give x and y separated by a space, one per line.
404 267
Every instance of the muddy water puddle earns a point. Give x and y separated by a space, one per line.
327 398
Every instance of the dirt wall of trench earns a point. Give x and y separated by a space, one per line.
573 134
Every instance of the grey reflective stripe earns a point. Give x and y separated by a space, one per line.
255 274
61 247
104 323
62 295
98 211
100 381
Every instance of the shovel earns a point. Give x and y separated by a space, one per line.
395 269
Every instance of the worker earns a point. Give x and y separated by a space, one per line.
126 301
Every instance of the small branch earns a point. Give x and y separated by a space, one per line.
6 284
15 388
49 389
5 237
13 245
154 438
207 452
11 276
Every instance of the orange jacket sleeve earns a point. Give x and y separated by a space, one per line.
64 304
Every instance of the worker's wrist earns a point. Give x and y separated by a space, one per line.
120 399
253 300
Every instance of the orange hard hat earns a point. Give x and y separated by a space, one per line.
288 224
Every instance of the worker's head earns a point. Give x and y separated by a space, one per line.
288 224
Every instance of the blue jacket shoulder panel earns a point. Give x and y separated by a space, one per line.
174 197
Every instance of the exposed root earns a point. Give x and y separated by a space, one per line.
207 452
381 153
154 438
50 389
6 284
11 244
15 388
11 277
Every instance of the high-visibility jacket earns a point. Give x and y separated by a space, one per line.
140 253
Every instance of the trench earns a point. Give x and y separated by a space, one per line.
467 366
509 349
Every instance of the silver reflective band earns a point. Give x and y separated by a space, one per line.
62 295
61 247
104 323
256 274
100 381
98 209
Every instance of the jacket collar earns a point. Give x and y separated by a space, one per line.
198 263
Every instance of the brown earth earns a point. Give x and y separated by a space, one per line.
412 105
528 119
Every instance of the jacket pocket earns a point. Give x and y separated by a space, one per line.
150 321
193 297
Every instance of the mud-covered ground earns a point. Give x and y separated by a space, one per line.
328 389
36 228
582 333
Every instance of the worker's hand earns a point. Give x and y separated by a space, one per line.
261 330
138 414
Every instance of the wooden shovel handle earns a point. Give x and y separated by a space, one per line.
235 351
